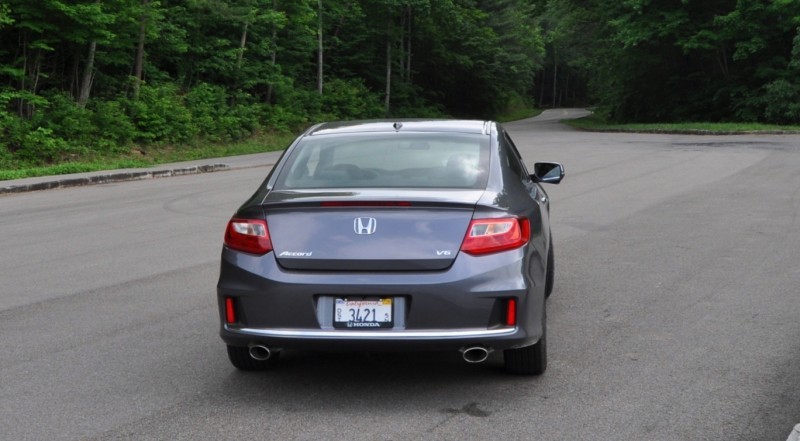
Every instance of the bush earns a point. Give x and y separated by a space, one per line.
12 130
281 119
207 103
65 120
40 147
215 119
36 141
114 128
102 127
160 115
351 99
782 102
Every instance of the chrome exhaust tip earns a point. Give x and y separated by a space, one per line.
259 352
475 354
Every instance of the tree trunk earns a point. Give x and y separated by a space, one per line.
388 100
138 66
242 43
555 75
542 87
320 49
273 55
402 49
408 50
27 108
88 75
75 77
23 77
722 60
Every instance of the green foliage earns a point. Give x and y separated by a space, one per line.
226 70
781 101
160 116
40 146
518 108
114 128
64 120
222 70
349 99
671 61
5 15
155 155
215 119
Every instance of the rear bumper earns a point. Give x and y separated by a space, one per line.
501 338
434 310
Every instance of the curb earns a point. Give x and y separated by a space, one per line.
795 435
112 177
700 132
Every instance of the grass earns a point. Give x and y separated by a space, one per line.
595 123
151 156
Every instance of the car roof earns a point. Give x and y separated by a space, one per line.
402 125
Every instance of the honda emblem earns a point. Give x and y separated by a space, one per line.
365 225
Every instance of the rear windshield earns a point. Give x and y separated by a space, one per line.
420 160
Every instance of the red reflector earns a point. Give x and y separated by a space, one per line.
485 236
365 204
511 312
230 313
248 235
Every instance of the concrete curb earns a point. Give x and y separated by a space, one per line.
110 177
795 435
691 132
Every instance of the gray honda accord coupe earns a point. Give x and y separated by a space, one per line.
390 236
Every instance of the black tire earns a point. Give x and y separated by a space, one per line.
550 272
529 360
240 358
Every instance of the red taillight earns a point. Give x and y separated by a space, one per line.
511 312
485 236
248 235
230 313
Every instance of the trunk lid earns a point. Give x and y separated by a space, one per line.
420 230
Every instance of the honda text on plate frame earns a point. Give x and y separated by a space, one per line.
387 235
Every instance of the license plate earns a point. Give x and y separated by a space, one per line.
360 313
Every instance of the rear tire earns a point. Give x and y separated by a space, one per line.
550 272
240 358
529 360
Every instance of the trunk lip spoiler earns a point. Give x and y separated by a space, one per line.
375 198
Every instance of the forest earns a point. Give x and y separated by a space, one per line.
96 77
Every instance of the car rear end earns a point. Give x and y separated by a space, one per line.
382 242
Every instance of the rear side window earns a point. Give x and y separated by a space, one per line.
388 160
515 163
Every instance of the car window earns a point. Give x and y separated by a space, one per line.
515 163
421 160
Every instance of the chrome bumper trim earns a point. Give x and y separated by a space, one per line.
372 335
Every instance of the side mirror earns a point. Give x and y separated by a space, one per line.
548 172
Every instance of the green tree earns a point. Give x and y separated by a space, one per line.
710 60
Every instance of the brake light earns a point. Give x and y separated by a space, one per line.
486 236
248 235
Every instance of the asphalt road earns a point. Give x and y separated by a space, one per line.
675 315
